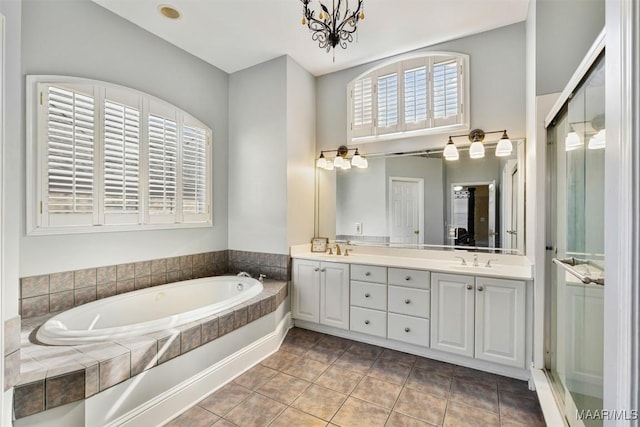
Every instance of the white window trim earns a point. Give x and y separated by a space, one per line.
35 197
400 64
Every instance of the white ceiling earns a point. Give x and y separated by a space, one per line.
236 34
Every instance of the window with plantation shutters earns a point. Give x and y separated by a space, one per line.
103 157
70 158
426 94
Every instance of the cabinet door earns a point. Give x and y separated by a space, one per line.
500 317
334 294
452 301
306 290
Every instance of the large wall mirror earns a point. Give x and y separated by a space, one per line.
421 200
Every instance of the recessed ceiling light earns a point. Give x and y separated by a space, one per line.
169 11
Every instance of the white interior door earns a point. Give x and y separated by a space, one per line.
406 210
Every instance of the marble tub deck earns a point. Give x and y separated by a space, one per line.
52 376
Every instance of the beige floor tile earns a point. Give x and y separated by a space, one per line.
255 411
225 399
377 391
398 357
339 379
320 402
307 369
429 381
476 394
521 408
193 417
459 415
354 363
358 413
424 406
292 417
255 377
474 375
390 371
400 420
280 360
367 351
439 367
284 388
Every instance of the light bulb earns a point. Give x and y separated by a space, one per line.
364 163
450 151
329 166
338 161
572 141
356 159
321 162
346 164
598 140
476 150
504 147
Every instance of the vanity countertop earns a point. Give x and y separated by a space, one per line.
502 266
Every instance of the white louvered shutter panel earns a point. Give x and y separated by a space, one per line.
195 176
416 99
122 130
362 107
70 116
163 173
387 98
446 92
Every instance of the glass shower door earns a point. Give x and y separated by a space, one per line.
577 230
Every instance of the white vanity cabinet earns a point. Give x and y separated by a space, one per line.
479 317
321 292
369 300
409 306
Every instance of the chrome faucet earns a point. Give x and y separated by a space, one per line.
338 251
463 262
243 274
488 264
475 260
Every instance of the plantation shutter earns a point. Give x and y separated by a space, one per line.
70 117
163 162
387 97
362 107
446 93
415 97
122 130
195 203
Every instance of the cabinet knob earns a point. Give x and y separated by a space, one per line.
480 288
469 287
407 278
407 330
323 270
316 269
367 274
407 301
366 322
367 295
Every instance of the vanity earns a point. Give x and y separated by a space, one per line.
421 302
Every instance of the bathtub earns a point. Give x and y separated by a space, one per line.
147 310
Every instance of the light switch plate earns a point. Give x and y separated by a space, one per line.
358 228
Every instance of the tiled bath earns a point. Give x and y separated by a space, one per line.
51 376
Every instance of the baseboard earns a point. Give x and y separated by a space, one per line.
176 400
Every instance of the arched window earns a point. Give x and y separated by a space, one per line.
419 95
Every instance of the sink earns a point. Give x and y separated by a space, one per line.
471 268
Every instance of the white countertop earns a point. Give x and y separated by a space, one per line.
502 266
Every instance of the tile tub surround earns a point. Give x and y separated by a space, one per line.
11 352
49 293
319 380
51 376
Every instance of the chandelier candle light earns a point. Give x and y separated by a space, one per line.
341 160
476 149
327 28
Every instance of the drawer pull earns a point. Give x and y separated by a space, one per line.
367 274
407 301
469 287
407 278
480 288
407 330
367 295
316 269
366 322
323 270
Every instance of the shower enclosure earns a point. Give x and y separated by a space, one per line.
576 140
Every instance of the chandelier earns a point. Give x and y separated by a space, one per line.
327 29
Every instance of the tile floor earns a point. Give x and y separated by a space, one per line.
319 380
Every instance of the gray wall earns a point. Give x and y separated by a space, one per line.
80 38
565 30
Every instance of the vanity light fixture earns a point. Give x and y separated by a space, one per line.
476 149
342 160
598 140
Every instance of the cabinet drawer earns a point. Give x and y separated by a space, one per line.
369 295
413 302
409 329
372 322
410 278
369 273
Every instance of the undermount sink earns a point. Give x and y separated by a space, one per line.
471 268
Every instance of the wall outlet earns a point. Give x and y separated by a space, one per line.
358 228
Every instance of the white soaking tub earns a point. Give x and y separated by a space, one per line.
147 310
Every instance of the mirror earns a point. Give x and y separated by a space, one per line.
421 200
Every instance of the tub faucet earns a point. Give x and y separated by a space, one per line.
243 274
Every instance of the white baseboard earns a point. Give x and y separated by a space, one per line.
176 400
